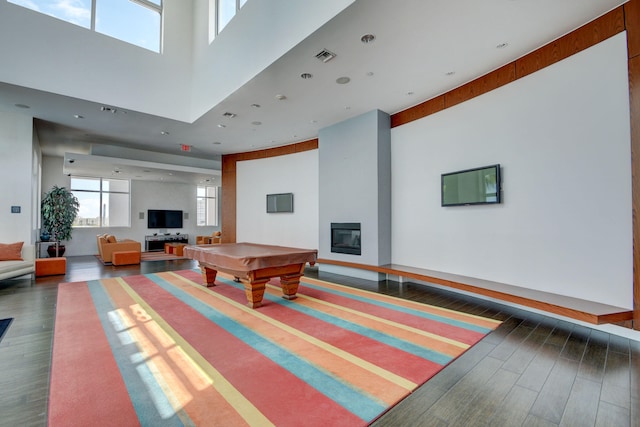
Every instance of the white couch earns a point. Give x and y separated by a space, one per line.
9 269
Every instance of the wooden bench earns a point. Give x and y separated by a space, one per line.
575 308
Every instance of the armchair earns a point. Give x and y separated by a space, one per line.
108 244
214 238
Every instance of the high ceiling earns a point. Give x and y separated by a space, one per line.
422 48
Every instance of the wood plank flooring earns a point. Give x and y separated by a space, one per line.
531 371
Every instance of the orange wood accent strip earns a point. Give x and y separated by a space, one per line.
228 220
584 37
634 99
586 311
487 83
417 112
632 24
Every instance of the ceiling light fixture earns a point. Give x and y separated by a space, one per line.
450 73
108 109
222 126
25 106
367 38
216 142
229 115
281 97
78 116
343 80
502 45
256 123
255 105
306 76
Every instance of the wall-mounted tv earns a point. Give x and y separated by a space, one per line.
478 186
282 202
162 218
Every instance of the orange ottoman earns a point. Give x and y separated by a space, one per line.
125 258
51 266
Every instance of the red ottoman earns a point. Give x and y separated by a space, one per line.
125 258
51 266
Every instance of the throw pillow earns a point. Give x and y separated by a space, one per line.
11 251
111 239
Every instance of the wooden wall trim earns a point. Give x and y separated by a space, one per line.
229 161
632 24
584 37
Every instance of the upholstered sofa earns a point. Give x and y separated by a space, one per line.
16 267
108 244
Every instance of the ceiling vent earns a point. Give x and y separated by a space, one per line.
325 56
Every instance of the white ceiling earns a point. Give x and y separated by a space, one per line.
422 48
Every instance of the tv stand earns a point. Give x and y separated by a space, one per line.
156 243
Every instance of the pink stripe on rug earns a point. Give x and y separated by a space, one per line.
96 379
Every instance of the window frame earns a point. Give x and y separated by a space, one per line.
159 9
216 197
101 191
214 15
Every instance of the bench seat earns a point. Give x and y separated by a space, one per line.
575 308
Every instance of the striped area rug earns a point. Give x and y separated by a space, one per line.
162 350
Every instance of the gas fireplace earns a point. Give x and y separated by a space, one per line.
345 238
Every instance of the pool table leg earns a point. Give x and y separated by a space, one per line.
289 285
254 289
208 275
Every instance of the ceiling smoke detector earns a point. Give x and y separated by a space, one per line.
325 56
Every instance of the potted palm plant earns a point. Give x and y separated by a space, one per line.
59 209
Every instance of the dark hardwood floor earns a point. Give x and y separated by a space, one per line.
531 371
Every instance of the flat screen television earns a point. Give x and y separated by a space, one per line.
478 186
162 218
280 202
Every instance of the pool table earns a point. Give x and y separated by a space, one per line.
254 265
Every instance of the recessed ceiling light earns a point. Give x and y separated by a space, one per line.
325 56
216 142
370 73
220 125
256 123
164 132
367 38
410 93
450 73
78 116
255 105
281 97
229 115
22 106
343 80
502 45
108 109
306 76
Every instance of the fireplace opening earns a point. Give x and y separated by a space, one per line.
345 238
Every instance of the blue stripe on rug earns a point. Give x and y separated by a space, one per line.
360 404
418 313
400 344
148 399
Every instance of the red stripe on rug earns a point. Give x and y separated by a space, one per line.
95 380
257 378
406 365
428 325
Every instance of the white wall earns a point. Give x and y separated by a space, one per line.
295 173
16 176
56 56
562 138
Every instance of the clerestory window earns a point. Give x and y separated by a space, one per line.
138 22
220 14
